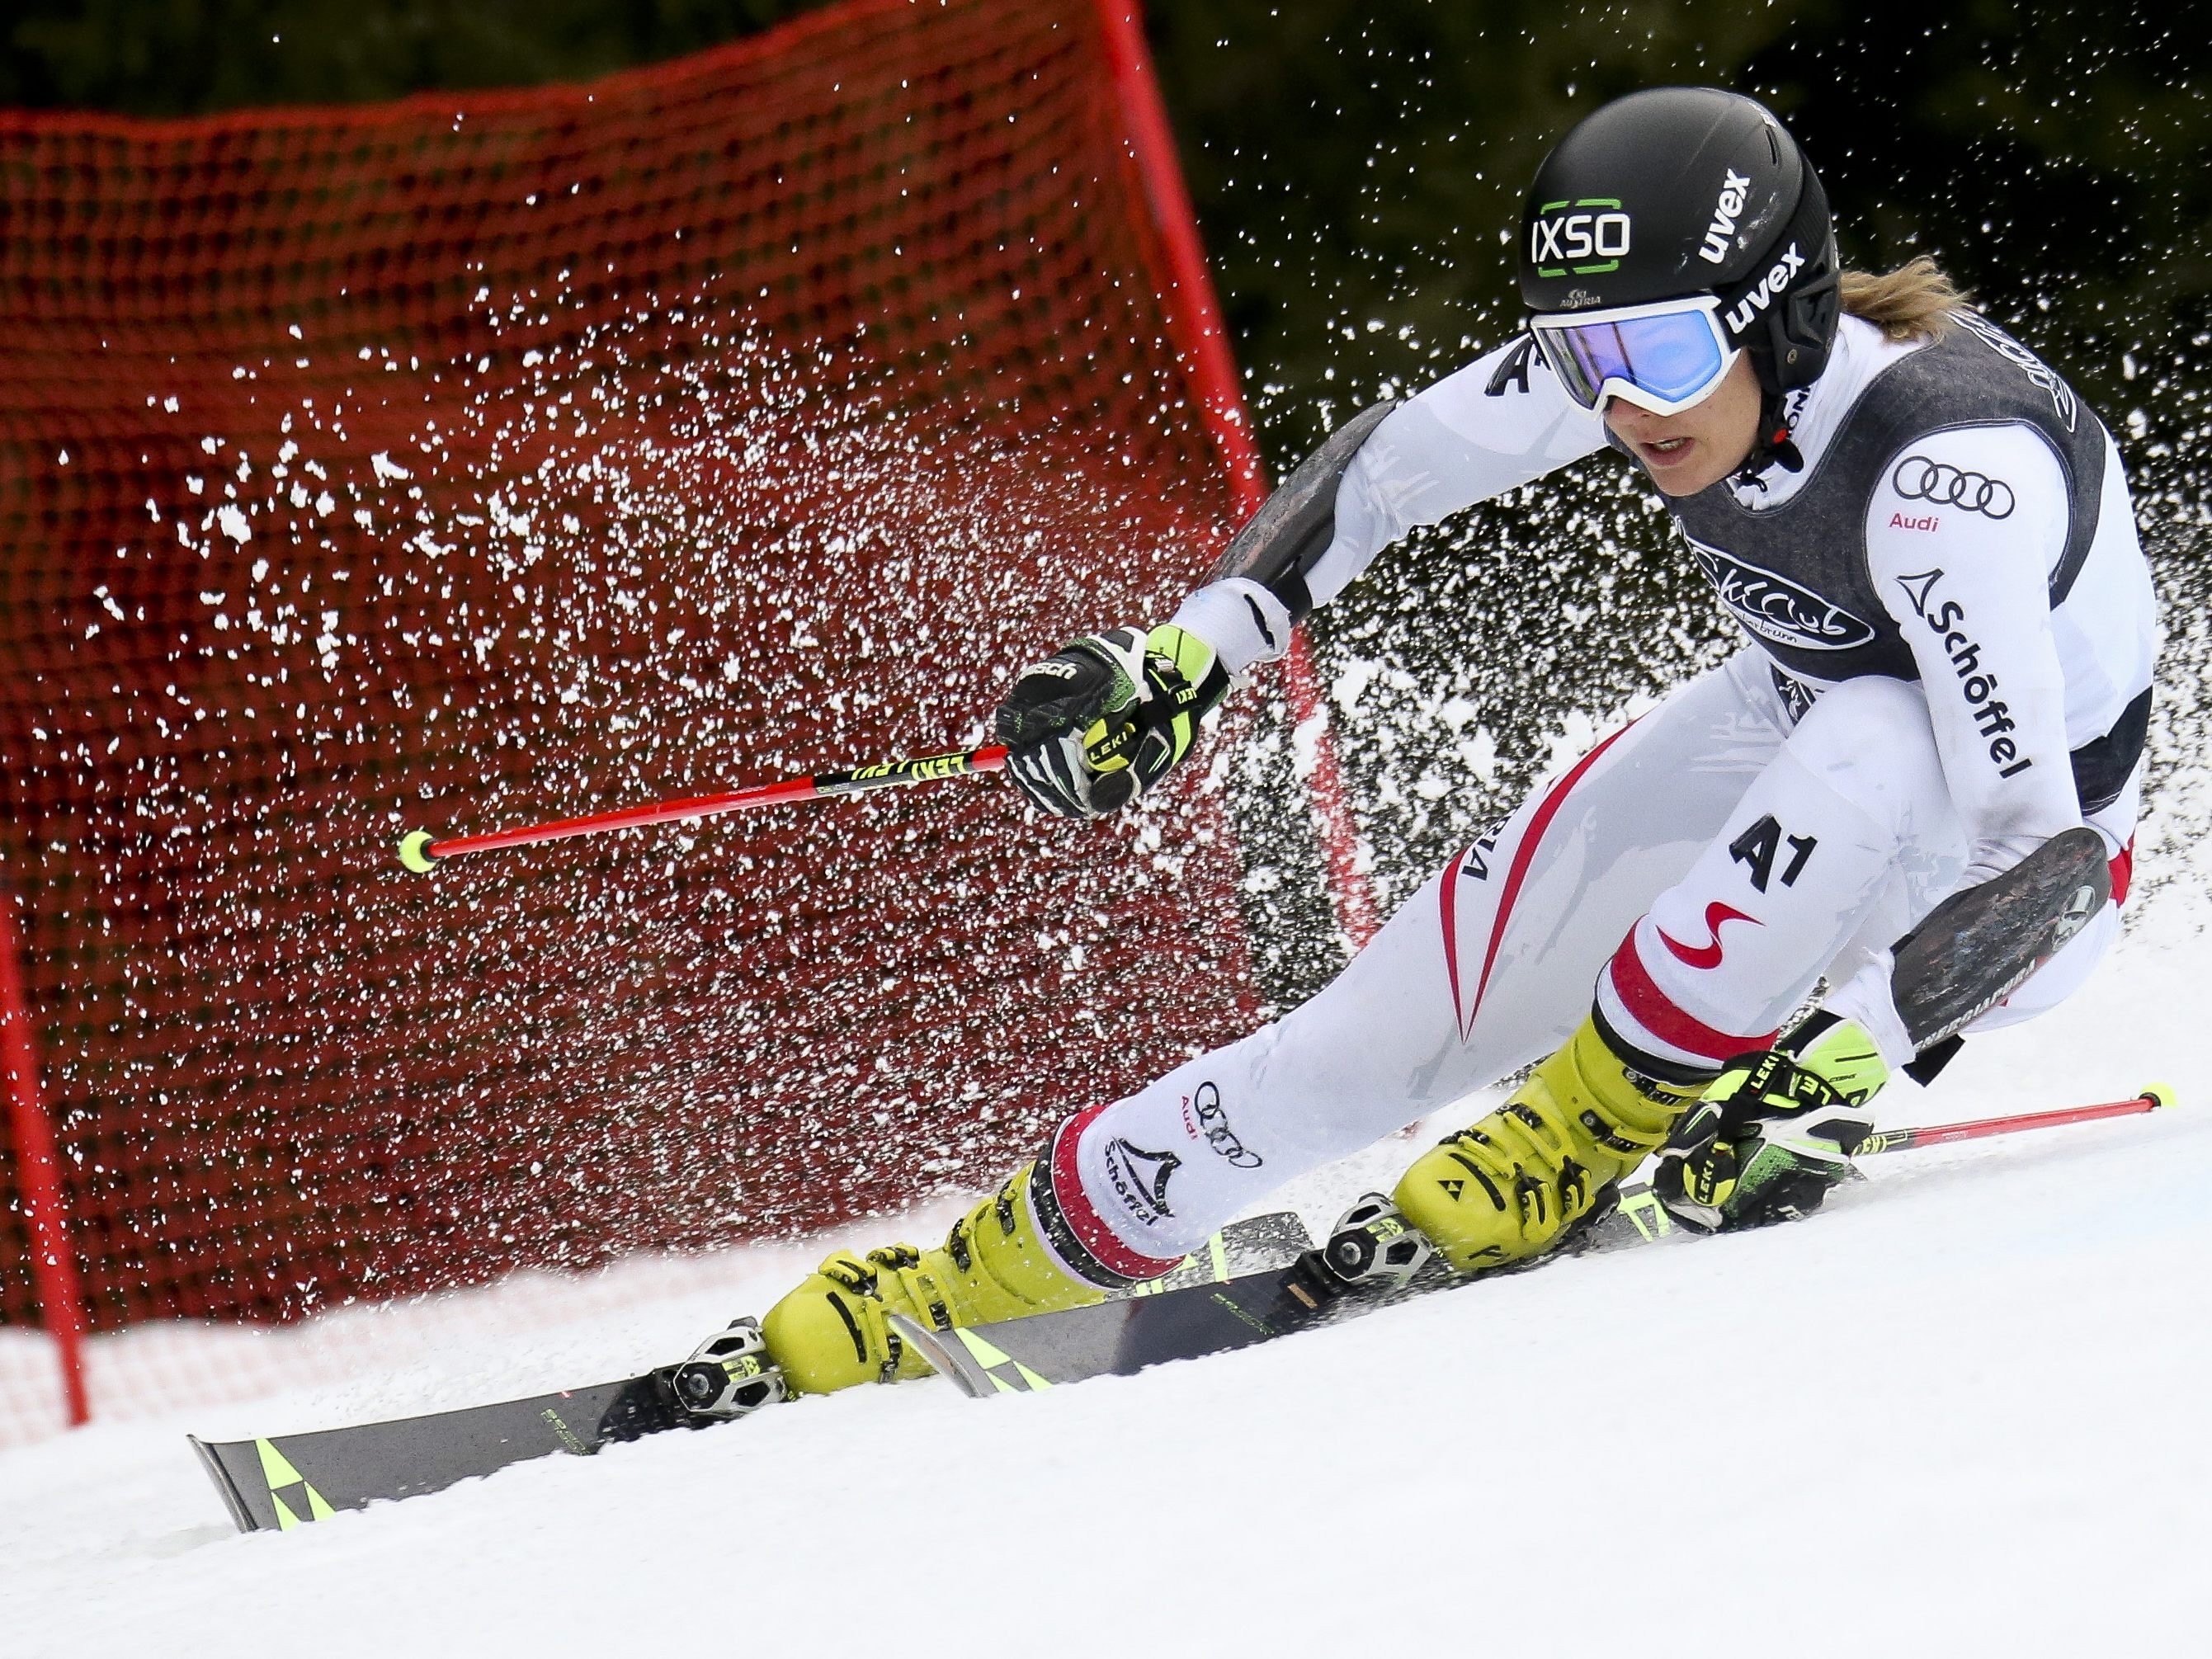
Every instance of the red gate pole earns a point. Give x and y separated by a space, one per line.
37 1176
1195 320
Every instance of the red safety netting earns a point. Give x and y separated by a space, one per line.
489 458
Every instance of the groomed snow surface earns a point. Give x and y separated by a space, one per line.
1960 1412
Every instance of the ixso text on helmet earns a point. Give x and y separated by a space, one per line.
1566 232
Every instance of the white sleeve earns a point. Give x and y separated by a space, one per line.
1500 422
1962 534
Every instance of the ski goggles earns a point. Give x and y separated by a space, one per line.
1665 357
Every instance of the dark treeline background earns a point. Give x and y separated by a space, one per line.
1357 169
1356 165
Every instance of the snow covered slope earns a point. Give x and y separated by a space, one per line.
1961 1412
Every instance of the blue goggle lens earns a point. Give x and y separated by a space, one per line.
1675 356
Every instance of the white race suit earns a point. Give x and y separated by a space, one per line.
1951 635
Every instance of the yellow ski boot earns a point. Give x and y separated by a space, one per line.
831 1331
1509 1187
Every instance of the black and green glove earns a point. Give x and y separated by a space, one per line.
1095 726
1774 1131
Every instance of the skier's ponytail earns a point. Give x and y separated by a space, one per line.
1913 302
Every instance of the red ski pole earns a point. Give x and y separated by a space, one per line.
418 852
1644 1211
1897 1140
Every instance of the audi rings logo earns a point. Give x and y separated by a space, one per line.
1919 479
1213 1124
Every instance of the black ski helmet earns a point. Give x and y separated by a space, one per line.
1682 190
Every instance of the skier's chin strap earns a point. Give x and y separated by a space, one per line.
1773 446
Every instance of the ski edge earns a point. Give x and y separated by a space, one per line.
233 1499
953 1364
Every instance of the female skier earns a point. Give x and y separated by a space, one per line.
1928 539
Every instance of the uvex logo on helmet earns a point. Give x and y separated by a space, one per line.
1726 211
1564 233
1770 289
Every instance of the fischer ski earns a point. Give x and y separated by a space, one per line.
276 1484
1119 1338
